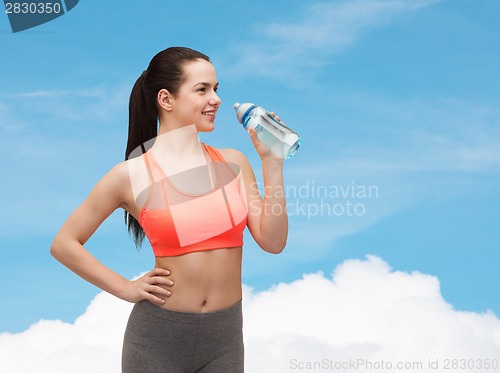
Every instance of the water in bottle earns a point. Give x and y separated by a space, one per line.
282 140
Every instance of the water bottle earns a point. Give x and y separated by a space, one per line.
282 140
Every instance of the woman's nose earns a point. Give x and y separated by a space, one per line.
215 100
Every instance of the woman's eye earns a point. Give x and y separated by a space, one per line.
201 89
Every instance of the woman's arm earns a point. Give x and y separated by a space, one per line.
67 247
267 217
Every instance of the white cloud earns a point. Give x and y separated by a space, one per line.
91 344
325 28
365 311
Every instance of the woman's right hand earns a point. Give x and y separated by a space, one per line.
147 286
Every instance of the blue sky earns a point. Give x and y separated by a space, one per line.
397 95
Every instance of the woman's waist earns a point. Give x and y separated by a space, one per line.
209 262
183 300
223 314
203 281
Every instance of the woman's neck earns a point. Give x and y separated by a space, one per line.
177 142
180 148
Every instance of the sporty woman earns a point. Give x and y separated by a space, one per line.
192 201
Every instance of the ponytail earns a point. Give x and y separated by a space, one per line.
142 127
165 71
143 116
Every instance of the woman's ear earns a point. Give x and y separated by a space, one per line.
165 99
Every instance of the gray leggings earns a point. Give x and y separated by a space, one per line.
158 340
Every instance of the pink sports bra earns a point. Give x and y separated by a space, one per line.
178 223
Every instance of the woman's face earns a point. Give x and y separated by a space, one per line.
197 101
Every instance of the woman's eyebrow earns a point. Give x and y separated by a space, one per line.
206 84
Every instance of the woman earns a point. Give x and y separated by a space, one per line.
193 202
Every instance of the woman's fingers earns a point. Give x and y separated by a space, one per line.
158 290
159 272
261 147
158 277
159 280
150 285
253 135
154 299
275 116
151 291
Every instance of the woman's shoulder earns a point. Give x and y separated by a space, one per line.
235 156
122 171
128 179
231 155
117 175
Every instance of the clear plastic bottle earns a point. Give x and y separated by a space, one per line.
282 140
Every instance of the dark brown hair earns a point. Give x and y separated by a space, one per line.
165 71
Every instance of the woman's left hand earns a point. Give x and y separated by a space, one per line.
263 150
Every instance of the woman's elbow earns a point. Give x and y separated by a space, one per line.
274 248
57 248
54 247
277 250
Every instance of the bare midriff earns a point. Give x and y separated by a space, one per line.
204 281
